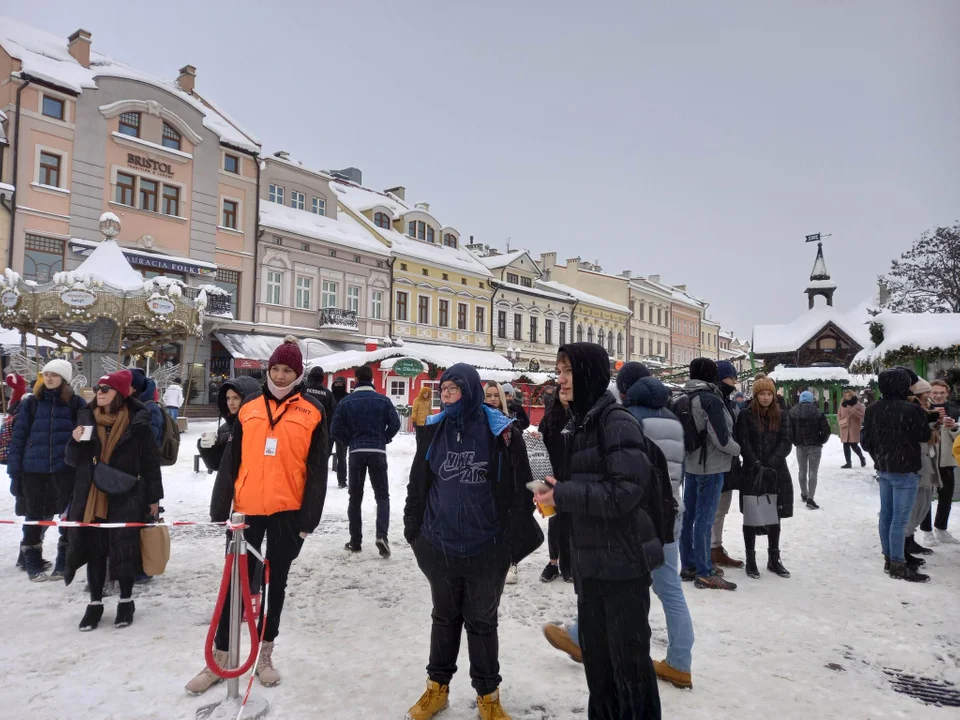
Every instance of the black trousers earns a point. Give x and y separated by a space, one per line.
847 447
615 641
376 464
340 462
282 531
558 542
944 501
750 537
465 592
119 546
44 495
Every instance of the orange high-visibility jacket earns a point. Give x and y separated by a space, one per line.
294 478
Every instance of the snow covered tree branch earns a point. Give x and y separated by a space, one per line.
926 278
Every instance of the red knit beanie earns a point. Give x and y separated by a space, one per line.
288 353
121 381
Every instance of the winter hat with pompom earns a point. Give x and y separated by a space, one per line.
805 397
288 353
61 368
763 383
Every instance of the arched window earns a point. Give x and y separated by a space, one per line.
381 220
619 343
579 333
450 240
590 334
429 234
600 337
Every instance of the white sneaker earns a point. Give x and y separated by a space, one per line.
929 540
512 575
944 537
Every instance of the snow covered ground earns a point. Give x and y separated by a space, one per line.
355 630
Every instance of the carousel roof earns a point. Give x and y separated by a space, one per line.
108 264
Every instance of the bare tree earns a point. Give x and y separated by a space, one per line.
926 278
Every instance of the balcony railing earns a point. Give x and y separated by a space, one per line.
216 304
337 318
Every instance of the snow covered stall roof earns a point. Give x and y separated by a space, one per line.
784 374
45 56
920 332
771 339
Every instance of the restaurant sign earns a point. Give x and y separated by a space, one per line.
156 167
407 367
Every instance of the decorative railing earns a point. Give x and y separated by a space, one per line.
336 317
217 303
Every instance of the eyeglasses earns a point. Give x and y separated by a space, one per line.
102 388
450 389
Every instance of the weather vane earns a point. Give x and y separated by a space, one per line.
817 237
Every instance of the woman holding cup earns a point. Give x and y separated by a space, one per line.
230 397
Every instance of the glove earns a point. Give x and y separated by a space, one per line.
208 441
16 485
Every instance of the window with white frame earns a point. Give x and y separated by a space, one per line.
297 199
376 304
319 206
274 284
353 298
276 193
304 292
398 391
329 295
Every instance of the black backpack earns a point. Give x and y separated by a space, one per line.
663 507
682 406
169 440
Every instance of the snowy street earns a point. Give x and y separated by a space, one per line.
355 630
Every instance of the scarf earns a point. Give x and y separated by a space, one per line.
97 501
280 393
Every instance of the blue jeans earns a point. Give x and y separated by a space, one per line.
174 411
898 491
701 497
666 585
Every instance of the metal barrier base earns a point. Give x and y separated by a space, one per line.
228 708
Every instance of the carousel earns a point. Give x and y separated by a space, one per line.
97 315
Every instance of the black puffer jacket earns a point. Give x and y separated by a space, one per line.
516 411
765 454
244 387
608 496
894 429
809 427
314 387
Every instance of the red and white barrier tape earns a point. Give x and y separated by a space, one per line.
108 525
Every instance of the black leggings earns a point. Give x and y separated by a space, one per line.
847 447
558 542
121 546
750 538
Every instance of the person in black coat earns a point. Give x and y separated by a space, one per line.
763 432
339 391
609 499
558 536
468 515
122 441
314 387
809 432
230 396
515 407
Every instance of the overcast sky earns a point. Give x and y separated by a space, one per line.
697 140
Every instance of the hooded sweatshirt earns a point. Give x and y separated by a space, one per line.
461 513
893 428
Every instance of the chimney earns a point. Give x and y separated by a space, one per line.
653 278
187 79
492 252
370 344
78 45
350 174
573 261
423 206
401 192
627 274
282 154
883 294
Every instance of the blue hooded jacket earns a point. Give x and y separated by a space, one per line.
41 433
461 512
146 389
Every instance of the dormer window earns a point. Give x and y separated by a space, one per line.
319 206
526 282
418 229
170 138
429 234
130 124
513 279
450 240
381 220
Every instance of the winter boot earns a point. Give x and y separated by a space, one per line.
265 671
435 699
902 571
752 570
945 538
714 582
550 573
205 679
33 560
913 561
688 574
490 708
774 565
668 673
512 576
351 547
718 556
125 610
383 546
91 617
560 639
886 564
61 563
915 548
811 505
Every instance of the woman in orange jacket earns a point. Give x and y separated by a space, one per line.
274 471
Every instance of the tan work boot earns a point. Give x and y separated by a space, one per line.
719 557
205 679
560 639
265 671
435 699
490 708
670 674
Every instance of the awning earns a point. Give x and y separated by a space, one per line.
254 347
152 261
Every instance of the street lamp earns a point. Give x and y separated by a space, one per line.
513 355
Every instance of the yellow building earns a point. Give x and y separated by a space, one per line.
440 292
595 319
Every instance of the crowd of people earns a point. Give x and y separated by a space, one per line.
640 484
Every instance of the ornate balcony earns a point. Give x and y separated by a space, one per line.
217 304
335 318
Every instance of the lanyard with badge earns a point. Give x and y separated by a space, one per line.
270 449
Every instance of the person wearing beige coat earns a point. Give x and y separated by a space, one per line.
850 419
422 409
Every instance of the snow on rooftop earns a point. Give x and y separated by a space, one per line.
820 374
769 339
495 262
108 264
821 285
580 295
442 356
252 346
45 56
919 331
343 231
362 199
